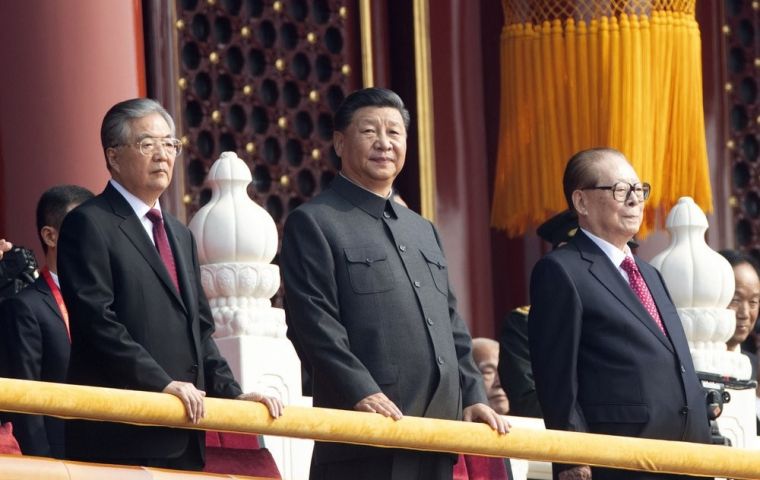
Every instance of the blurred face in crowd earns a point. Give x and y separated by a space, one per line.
145 176
485 352
600 213
372 148
746 302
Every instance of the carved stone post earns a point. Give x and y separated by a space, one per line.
237 240
701 283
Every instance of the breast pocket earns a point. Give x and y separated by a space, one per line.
368 269
438 270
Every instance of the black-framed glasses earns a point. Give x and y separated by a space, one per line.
149 146
621 191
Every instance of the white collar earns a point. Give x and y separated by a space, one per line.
140 208
615 255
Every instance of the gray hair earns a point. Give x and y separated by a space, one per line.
116 127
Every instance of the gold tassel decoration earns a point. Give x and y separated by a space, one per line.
625 74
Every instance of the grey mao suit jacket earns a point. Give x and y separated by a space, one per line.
600 362
370 309
130 327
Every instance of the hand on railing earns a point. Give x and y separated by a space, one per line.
480 412
379 403
273 404
191 397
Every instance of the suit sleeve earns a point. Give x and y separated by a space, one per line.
84 264
515 369
22 338
218 377
470 378
313 311
556 321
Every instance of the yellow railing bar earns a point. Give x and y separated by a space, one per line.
145 408
13 467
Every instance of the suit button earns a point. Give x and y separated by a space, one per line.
429 321
417 284
684 410
193 369
683 369
440 360
402 248
386 215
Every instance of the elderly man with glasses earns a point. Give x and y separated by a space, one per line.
139 319
608 350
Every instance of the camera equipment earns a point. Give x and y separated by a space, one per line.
18 268
716 395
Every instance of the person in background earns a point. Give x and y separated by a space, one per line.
608 349
34 326
8 443
515 369
139 318
745 302
485 352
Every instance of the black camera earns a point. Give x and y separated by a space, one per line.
18 268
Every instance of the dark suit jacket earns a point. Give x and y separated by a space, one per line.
369 309
600 362
130 328
515 369
36 347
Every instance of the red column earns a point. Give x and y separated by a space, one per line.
462 178
63 65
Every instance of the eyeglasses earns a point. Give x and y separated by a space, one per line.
621 191
150 146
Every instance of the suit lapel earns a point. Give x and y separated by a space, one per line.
134 231
47 297
608 275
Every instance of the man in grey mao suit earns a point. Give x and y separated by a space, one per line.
368 301
139 317
601 362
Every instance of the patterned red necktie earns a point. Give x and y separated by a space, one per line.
641 290
162 243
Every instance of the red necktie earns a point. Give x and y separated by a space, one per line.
162 243
641 290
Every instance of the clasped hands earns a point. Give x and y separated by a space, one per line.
380 403
192 399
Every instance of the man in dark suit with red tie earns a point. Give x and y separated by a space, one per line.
608 350
34 327
139 318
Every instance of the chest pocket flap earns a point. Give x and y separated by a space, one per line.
438 270
368 269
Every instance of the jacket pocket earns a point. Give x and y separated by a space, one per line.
368 269
438 270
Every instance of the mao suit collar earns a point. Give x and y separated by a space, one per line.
367 201
608 275
133 229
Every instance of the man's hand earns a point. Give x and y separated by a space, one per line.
191 397
274 404
379 403
4 247
581 472
483 413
